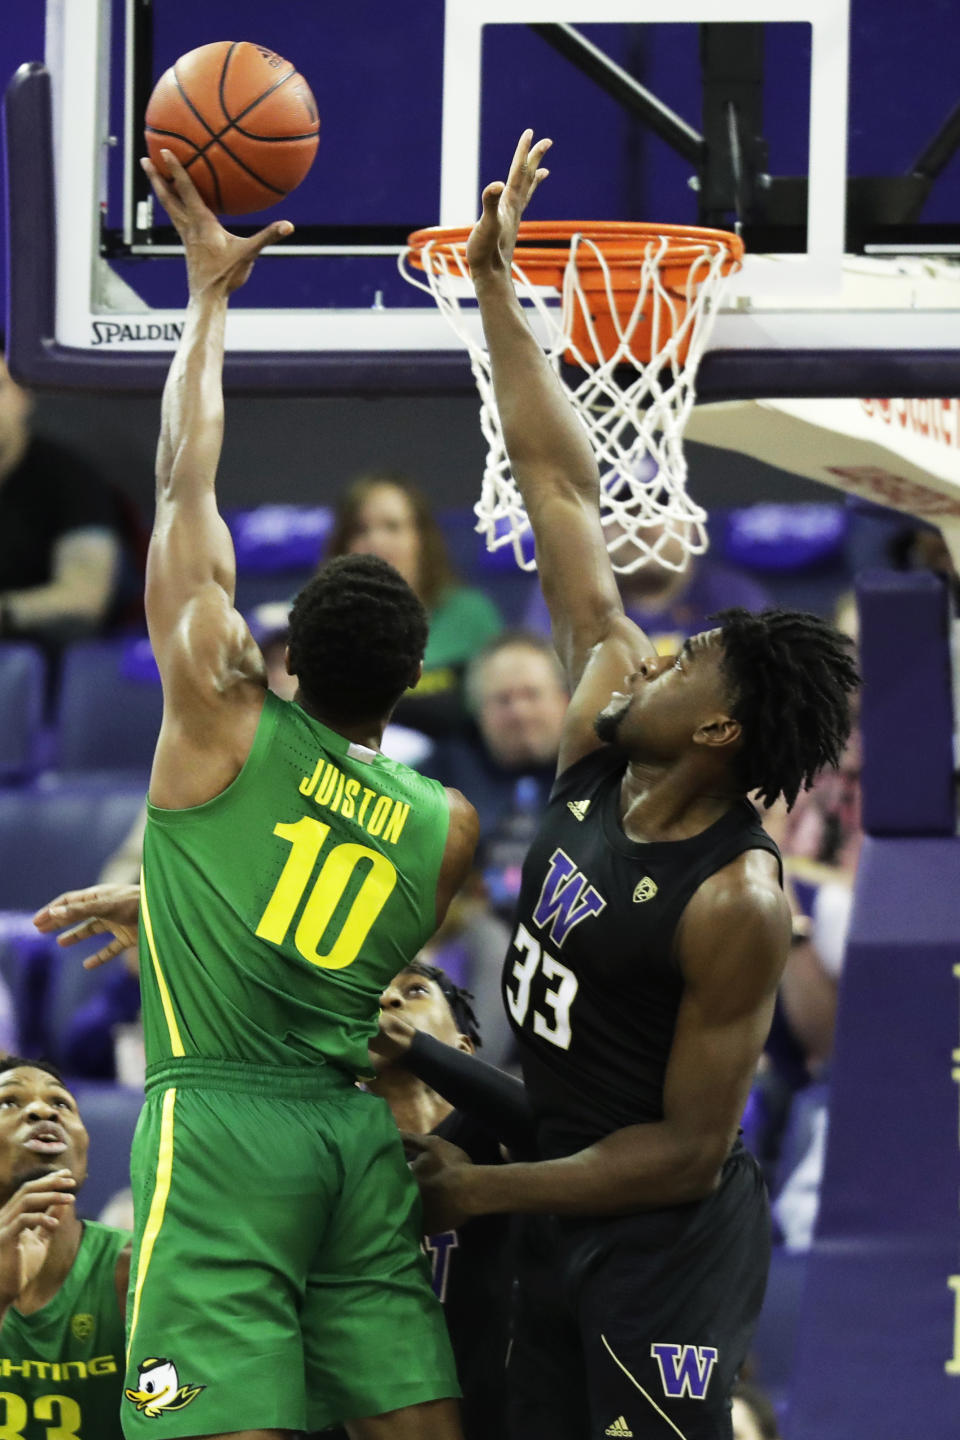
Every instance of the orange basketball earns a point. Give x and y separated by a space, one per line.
241 120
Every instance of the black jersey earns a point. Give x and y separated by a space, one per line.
591 982
472 1271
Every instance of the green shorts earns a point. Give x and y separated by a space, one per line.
277 1276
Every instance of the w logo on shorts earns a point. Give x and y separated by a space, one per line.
685 1369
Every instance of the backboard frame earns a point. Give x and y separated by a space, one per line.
808 340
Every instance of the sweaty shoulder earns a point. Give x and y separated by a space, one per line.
462 836
740 912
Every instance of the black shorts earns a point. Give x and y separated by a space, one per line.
637 1326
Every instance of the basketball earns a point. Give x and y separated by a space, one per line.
240 119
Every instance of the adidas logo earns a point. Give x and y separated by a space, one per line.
620 1428
578 809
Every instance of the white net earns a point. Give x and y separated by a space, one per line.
636 333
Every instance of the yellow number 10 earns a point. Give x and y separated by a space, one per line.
307 838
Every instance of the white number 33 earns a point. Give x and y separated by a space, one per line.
557 999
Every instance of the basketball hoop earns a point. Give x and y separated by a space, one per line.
631 306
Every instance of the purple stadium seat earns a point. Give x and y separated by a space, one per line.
22 679
55 836
110 707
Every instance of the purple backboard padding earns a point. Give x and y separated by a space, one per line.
39 360
877 1320
907 718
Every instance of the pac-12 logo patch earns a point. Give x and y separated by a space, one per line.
82 1326
645 890
159 1389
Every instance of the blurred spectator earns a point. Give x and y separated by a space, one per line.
754 1417
517 698
922 547
68 561
118 1211
820 840
383 513
669 604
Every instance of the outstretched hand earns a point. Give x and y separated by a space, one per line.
493 238
441 1171
100 910
216 259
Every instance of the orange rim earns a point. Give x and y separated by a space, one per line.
619 241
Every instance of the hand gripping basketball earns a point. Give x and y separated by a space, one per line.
215 258
494 237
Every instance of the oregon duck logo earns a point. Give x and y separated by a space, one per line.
82 1326
159 1389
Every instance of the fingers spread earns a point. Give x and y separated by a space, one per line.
102 956
279 230
93 926
521 152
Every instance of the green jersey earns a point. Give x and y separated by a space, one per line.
62 1367
273 916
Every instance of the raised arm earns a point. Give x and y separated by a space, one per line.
204 650
553 465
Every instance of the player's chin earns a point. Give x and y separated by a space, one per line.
35 1171
607 724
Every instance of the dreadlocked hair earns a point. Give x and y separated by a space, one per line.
357 636
464 1015
792 675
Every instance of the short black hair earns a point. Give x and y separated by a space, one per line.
464 1016
792 675
20 1062
357 636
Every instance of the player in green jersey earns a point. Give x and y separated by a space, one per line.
63 1281
290 869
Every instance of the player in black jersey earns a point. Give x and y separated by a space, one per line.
425 1012
650 937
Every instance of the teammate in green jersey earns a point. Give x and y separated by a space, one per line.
63 1281
289 871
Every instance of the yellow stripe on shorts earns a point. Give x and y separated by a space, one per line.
176 1044
158 1205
